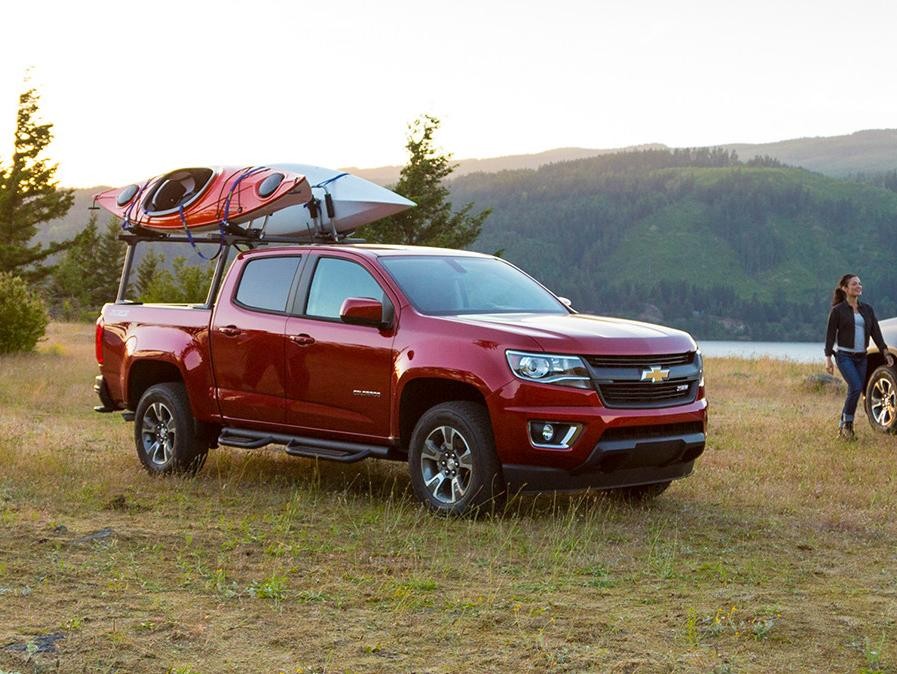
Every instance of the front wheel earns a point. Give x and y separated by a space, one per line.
881 400
168 438
454 468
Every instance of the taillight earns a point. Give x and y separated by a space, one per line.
99 341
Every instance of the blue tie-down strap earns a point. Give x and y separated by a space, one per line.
324 183
233 188
193 243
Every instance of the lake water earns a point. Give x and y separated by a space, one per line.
801 352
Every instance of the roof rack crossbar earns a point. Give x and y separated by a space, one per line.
216 238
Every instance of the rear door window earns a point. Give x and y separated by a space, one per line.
266 283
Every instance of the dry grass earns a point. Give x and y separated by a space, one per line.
778 554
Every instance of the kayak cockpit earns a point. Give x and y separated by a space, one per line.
177 189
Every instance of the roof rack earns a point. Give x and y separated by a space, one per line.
235 237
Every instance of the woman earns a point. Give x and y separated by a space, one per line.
850 324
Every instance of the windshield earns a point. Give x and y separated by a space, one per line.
448 285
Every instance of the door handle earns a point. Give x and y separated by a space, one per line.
230 330
302 340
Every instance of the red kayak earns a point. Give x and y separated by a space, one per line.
204 198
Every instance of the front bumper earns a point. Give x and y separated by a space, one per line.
614 448
616 463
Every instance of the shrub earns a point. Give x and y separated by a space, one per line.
23 316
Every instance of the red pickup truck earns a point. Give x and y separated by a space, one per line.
458 363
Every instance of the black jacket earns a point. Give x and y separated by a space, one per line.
841 325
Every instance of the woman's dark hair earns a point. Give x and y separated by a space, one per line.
839 295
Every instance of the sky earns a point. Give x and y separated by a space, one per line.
137 89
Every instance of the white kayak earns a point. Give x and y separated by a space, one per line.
344 203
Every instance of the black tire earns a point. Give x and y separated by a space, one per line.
167 437
881 400
642 492
452 459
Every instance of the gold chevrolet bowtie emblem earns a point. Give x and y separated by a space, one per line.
655 374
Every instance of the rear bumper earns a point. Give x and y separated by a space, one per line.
106 404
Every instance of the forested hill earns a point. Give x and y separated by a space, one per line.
867 152
870 151
693 238
389 175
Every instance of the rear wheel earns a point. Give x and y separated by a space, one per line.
881 400
167 437
454 468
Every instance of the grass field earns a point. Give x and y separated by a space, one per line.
778 554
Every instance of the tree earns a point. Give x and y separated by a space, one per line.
110 260
184 284
147 271
431 222
29 194
193 281
69 287
24 315
89 273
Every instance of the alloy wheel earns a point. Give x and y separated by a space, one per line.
446 464
158 433
883 402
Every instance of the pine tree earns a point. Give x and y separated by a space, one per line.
89 273
192 281
29 194
149 268
70 287
431 222
183 284
110 260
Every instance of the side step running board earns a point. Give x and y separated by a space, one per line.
347 456
314 448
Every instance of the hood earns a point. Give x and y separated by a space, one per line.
587 335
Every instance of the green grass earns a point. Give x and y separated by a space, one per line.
776 555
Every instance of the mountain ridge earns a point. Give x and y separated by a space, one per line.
867 150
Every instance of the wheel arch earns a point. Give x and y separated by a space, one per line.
144 373
874 360
420 394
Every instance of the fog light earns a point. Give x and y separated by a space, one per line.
553 434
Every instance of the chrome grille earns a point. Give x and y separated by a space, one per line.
627 381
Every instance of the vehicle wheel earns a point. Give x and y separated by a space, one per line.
641 492
454 468
168 438
881 400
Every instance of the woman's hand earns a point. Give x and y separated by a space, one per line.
830 366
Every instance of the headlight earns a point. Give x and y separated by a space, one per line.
546 368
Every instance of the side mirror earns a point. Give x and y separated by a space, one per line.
362 311
566 301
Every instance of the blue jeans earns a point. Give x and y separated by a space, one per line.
853 368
